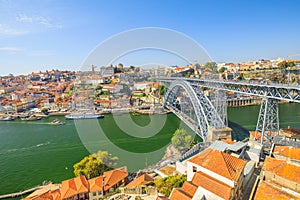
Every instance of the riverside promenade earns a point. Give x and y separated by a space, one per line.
17 194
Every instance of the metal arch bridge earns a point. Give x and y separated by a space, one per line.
215 115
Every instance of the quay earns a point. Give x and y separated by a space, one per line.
17 194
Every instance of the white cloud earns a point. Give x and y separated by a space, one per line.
11 49
44 21
6 30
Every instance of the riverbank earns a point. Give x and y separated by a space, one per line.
49 152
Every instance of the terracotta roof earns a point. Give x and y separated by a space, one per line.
268 191
291 132
189 188
113 177
141 180
287 151
221 163
74 186
257 135
282 168
228 141
48 192
179 194
95 184
213 185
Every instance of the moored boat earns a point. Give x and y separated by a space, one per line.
84 116
7 118
57 122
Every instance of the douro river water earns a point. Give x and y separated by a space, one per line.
31 152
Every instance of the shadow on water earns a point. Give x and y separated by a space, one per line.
238 132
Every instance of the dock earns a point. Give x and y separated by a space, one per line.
16 194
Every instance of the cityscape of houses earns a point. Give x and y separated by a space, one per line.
56 90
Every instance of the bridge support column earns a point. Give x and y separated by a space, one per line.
268 120
218 133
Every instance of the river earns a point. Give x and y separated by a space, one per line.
31 152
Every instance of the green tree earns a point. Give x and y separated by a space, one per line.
44 110
162 89
132 68
99 87
286 64
165 185
212 66
181 139
222 69
95 164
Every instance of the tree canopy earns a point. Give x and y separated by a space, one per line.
181 139
165 185
212 66
286 64
222 69
95 164
162 89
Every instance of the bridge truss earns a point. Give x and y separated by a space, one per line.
268 119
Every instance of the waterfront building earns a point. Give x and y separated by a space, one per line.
212 174
110 181
75 188
47 192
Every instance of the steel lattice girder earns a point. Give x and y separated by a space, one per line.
209 109
280 92
268 119
204 110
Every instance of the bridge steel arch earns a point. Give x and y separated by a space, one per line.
205 113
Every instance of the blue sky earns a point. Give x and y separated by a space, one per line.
38 35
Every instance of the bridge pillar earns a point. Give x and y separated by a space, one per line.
268 120
218 133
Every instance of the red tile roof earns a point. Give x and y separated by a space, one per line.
282 168
221 163
266 190
48 192
95 184
141 180
112 177
287 151
162 198
179 194
74 186
213 185
189 188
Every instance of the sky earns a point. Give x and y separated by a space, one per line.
39 35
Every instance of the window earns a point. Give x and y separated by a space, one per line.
194 169
99 192
94 193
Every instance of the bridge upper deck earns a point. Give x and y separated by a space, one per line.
280 92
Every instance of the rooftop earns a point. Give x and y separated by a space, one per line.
287 151
282 168
47 192
213 185
266 190
221 163
141 180
74 186
179 194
